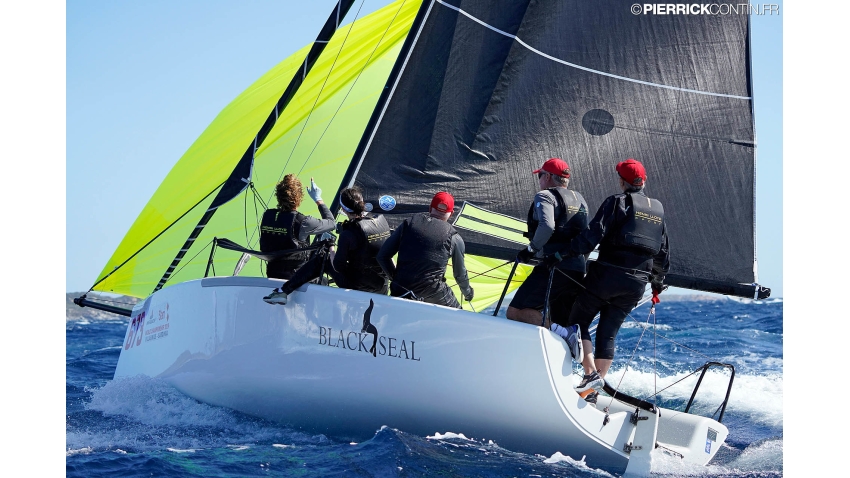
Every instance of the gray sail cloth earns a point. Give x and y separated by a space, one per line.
480 103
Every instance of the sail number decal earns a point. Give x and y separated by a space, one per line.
157 328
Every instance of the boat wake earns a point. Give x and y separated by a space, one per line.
746 400
144 415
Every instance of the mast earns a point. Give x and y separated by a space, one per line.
240 178
377 113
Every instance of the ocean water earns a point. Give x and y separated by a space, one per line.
143 427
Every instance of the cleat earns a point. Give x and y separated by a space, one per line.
590 382
592 397
276 297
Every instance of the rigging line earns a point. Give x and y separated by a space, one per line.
482 273
674 383
579 67
654 353
155 237
631 357
389 97
352 85
257 216
455 282
193 258
319 95
239 177
629 315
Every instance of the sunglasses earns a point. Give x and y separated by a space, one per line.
540 175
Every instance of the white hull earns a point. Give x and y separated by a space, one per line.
308 365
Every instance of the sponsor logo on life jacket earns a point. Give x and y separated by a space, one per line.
357 341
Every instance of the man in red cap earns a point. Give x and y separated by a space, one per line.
555 217
424 243
630 231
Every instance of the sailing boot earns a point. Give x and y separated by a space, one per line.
589 384
276 297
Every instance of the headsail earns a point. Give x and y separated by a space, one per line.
488 94
333 104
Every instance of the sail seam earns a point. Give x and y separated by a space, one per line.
584 68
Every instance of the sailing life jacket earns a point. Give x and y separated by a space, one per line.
279 232
634 242
363 272
423 252
570 220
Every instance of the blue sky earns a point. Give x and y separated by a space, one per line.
145 78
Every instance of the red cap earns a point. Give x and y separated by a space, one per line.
443 202
556 166
632 172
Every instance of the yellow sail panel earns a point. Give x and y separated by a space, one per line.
487 277
350 74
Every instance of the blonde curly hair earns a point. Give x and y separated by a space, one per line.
289 192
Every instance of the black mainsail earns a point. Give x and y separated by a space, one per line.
485 93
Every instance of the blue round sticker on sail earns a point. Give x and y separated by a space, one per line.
387 203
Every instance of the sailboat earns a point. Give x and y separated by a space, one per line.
455 95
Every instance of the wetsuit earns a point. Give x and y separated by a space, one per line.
633 250
556 216
286 230
424 246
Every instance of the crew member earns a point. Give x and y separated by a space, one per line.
362 236
353 265
556 216
630 231
284 228
424 243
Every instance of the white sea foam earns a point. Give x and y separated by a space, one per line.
764 457
448 436
177 450
154 402
748 395
278 445
159 417
558 457
79 451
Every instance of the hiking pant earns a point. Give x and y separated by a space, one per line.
613 293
